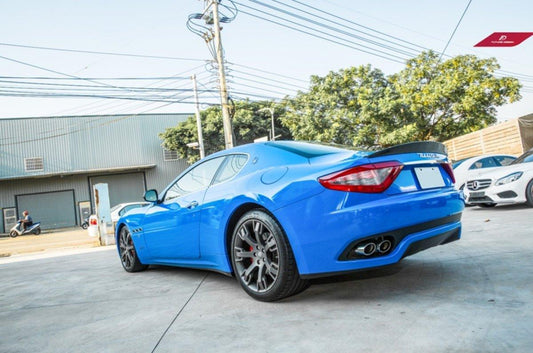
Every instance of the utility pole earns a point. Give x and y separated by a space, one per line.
198 120
273 136
226 119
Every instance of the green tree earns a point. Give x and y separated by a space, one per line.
427 100
250 121
442 100
343 107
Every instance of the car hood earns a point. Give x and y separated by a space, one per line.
477 173
499 172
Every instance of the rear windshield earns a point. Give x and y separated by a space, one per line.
304 149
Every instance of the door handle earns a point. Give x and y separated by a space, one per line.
192 205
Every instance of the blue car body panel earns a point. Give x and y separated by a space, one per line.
282 178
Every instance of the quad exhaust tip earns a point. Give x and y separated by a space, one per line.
367 249
370 248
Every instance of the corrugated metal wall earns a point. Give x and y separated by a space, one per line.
82 145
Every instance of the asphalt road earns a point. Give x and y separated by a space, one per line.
474 295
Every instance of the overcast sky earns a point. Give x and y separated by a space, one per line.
285 57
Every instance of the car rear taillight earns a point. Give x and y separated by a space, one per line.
369 178
449 169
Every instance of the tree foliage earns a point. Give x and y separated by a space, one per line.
343 107
442 100
427 100
360 106
250 121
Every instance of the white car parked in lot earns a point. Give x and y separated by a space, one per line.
509 184
464 168
119 210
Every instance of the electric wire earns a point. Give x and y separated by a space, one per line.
337 40
329 27
362 26
271 80
101 52
455 30
102 103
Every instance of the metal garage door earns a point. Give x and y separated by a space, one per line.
52 209
122 187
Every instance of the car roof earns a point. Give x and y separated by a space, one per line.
303 149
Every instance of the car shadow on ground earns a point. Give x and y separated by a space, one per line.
386 283
411 275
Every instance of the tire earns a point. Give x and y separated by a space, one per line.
529 193
262 258
85 225
13 234
36 231
486 205
127 252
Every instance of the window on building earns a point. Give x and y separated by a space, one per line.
170 155
34 164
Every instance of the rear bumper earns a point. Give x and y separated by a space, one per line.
414 247
322 240
397 236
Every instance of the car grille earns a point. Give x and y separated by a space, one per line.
482 199
478 184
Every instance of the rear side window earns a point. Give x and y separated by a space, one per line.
232 165
488 162
504 160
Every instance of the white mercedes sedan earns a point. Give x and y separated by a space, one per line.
504 185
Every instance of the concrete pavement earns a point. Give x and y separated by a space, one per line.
474 295
48 241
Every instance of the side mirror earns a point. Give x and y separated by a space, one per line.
151 195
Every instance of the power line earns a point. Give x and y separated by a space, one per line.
390 57
100 52
63 87
455 29
335 29
94 78
259 88
268 72
271 80
53 71
153 98
361 26
373 51
107 102
416 47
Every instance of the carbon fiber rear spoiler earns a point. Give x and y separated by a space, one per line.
412 147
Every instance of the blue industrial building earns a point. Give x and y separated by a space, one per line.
48 165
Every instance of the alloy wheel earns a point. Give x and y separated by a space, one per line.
256 255
127 250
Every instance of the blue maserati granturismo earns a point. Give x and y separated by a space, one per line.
276 214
